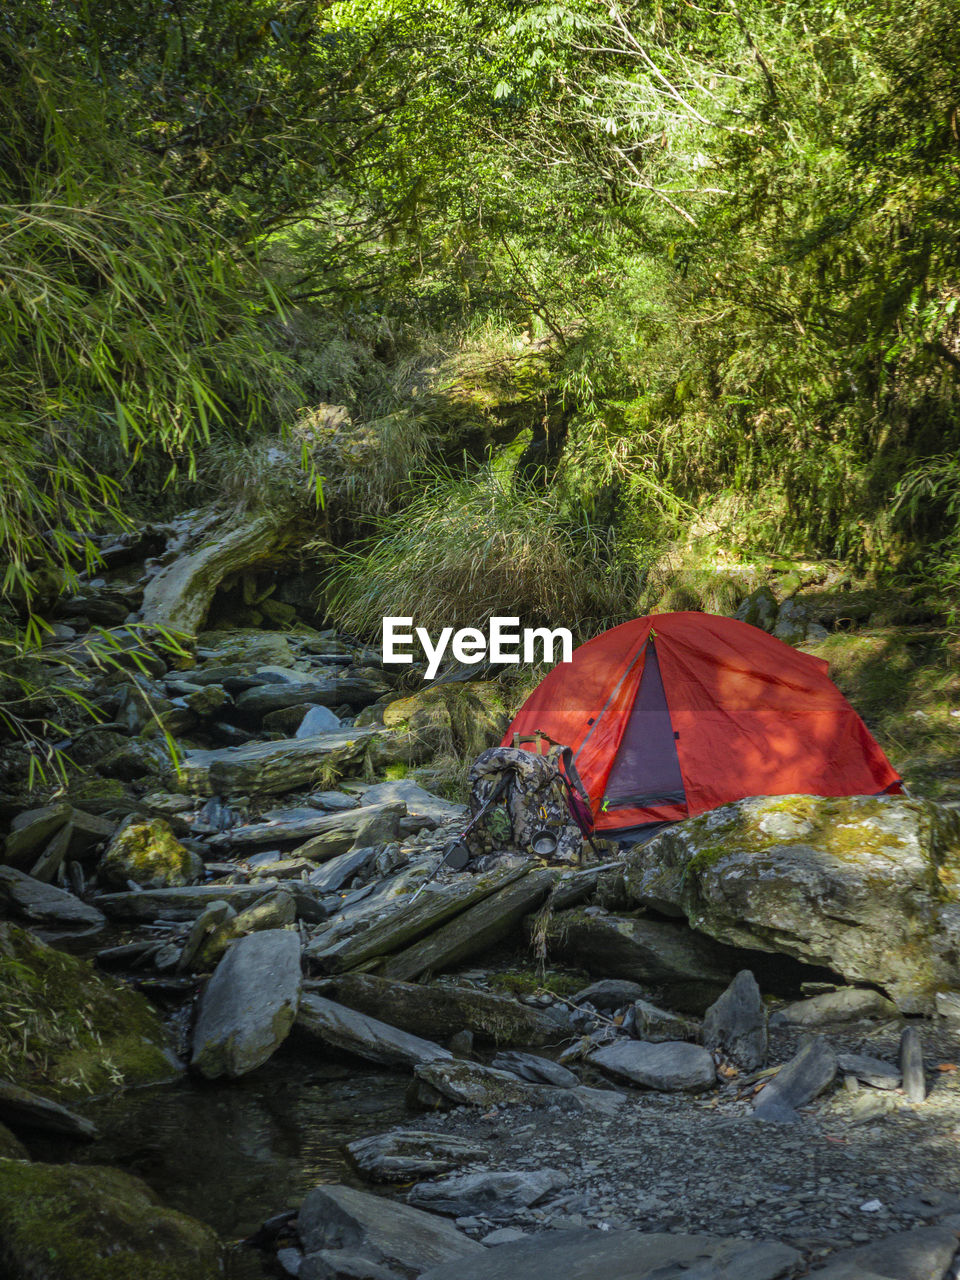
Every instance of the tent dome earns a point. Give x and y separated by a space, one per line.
676 713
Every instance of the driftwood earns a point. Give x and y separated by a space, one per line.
179 596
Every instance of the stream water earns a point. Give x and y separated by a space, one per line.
234 1153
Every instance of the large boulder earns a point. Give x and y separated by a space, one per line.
866 885
469 717
69 1031
64 1221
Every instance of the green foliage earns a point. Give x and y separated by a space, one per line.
469 547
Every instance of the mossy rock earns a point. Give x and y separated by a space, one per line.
11 1148
868 886
466 718
147 852
98 795
68 1031
91 1222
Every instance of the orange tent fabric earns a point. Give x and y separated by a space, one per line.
745 715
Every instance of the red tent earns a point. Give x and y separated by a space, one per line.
681 712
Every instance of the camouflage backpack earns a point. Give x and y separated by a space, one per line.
533 803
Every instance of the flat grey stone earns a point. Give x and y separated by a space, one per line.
872 1071
394 1235
333 875
180 904
495 1194
420 802
528 1066
403 1155
801 1080
343 1264
736 1023
367 1037
924 1253
44 903
249 1005
669 1066
625 1255
911 1065
22 1109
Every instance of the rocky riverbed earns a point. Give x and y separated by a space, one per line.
231 1014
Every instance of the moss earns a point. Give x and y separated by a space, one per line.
67 1031
73 1222
149 853
528 982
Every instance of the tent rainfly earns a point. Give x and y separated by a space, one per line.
677 713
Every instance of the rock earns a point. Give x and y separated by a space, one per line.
456 1082
64 1221
207 700
273 910
527 1066
759 609
625 1255
267 768
51 860
317 720
691 969
342 1264
736 1024
872 1071
376 826
333 875
334 691
804 1078
216 913
404 921
658 1025
149 854
33 900
406 1154
419 802
334 1218
610 994
792 624
31 830
911 1065
334 801
920 1254
867 885
249 1005
494 1195
23 1110
367 1037
179 904
474 930
323 835
948 1005
11 1148
433 1010
667 1067
849 1004
81 1032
